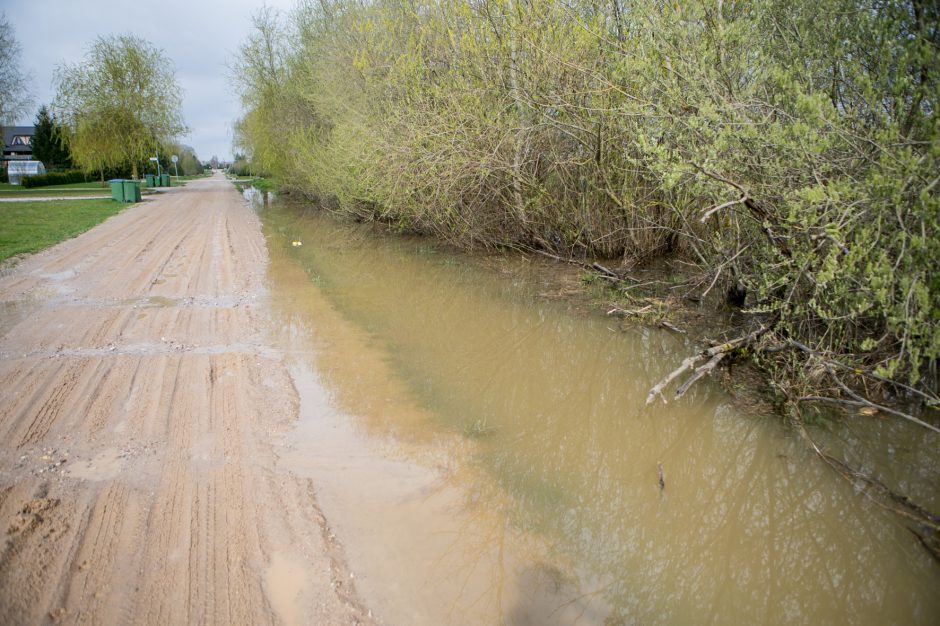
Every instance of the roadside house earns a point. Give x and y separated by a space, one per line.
17 143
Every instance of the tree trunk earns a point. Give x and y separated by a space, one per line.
518 156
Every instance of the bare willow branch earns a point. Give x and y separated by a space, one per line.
885 409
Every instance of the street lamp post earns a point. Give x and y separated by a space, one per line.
157 159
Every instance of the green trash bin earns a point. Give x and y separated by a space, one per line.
150 178
117 189
164 180
131 191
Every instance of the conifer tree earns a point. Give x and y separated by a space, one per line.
47 142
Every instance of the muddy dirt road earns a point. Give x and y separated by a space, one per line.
138 482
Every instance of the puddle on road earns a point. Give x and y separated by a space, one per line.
14 312
284 581
161 302
486 456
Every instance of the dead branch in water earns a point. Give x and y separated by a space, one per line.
714 356
629 312
671 327
928 524
855 399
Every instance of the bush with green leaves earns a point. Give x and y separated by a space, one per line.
54 178
786 149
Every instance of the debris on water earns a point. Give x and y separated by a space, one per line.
662 481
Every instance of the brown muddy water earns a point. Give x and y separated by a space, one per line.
485 456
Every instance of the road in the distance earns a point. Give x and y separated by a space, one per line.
138 402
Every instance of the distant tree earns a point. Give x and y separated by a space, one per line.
214 162
119 105
14 96
188 163
47 143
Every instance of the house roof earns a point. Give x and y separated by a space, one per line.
9 132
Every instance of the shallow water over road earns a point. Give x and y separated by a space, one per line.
484 453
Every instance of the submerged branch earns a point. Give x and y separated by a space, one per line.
857 398
854 398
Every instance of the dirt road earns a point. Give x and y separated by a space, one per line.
138 403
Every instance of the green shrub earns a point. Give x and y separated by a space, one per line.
788 149
54 178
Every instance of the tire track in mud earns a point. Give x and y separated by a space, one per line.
138 478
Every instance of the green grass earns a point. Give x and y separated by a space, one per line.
32 226
18 191
95 184
262 184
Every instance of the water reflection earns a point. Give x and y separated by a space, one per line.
536 417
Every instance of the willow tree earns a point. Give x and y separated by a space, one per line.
14 99
119 105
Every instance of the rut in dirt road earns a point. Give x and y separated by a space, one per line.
137 479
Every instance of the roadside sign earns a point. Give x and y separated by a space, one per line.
174 158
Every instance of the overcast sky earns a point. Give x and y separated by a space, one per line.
199 36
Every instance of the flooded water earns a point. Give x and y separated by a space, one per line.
484 454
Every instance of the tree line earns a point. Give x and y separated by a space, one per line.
51 144
785 151
112 111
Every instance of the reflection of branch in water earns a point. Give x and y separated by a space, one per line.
887 498
580 599
469 559
507 575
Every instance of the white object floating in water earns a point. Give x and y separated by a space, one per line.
296 244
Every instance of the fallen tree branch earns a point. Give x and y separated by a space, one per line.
603 270
828 400
714 356
671 327
699 373
657 389
864 401
930 398
629 312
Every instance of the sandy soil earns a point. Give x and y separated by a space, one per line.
138 405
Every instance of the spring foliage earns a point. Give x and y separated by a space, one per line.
788 148
14 96
118 105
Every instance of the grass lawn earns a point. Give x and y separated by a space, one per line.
262 184
32 226
71 189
